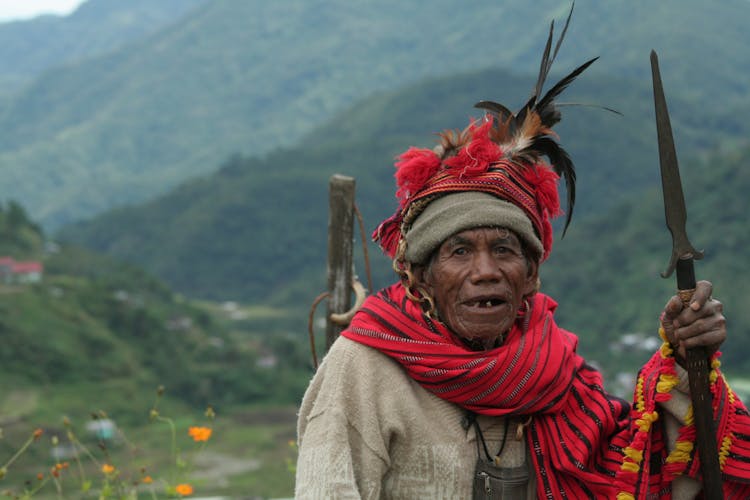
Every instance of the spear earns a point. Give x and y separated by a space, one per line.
682 258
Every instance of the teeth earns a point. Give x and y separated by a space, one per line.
483 304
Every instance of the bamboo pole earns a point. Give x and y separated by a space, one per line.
340 246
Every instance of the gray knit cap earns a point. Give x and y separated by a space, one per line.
456 212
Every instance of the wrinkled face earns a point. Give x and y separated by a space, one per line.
478 279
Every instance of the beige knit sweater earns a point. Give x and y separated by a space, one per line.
367 430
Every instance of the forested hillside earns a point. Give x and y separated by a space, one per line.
171 174
256 230
30 47
249 231
114 333
606 272
246 77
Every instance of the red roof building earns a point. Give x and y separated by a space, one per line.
12 271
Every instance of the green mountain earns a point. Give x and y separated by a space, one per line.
247 77
256 230
606 272
109 334
250 231
96 338
30 47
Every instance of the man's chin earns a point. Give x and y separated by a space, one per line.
483 341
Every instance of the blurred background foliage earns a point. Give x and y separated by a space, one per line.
168 162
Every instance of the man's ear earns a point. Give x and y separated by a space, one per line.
422 277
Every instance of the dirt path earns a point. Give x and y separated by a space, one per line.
218 467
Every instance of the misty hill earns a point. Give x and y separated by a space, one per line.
107 329
606 272
256 227
30 47
247 77
95 338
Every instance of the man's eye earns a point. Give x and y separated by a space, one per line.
506 250
460 251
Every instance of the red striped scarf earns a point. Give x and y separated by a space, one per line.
579 436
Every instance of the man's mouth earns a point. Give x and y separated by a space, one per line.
485 302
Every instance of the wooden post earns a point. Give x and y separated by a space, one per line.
340 245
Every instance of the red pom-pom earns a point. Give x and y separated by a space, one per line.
477 156
544 182
415 167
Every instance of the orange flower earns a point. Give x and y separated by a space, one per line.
108 469
37 434
184 489
147 480
40 476
200 433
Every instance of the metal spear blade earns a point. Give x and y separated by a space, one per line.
674 201
683 254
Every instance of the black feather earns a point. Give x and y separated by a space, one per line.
562 35
543 67
587 104
563 166
545 107
501 113
498 110
547 61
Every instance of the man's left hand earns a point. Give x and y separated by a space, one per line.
700 323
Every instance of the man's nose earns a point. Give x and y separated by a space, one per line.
485 268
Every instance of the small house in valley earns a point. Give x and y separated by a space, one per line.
20 272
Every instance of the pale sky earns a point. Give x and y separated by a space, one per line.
11 10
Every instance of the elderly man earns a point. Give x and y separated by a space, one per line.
456 381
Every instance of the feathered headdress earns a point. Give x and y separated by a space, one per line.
502 154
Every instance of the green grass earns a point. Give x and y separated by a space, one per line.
248 453
96 338
263 435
